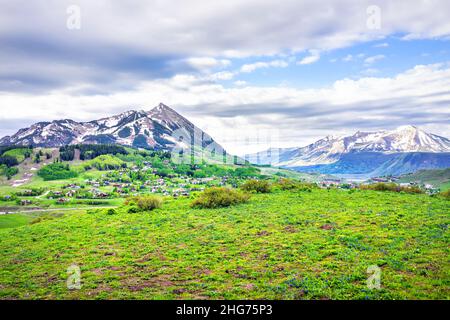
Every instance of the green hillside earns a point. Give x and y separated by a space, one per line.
312 244
294 240
20 153
439 178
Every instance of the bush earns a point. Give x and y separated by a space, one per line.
34 192
144 203
8 161
287 184
217 197
56 171
391 187
259 186
8 172
110 212
445 194
133 209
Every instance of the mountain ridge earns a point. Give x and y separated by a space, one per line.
329 149
404 149
155 129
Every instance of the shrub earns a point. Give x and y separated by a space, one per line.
287 184
391 187
133 209
259 186
9 161
34 192
12 197
445 194
217 197
110 212
8 172
144 203
290 184
56 171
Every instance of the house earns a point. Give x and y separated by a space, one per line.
331 182
405 184
70 193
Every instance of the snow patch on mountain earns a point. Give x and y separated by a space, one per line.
153 129
330 149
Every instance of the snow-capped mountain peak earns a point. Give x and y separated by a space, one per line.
407 139
328 150
153 129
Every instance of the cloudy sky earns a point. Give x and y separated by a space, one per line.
288 72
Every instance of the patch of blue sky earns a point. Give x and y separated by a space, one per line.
382 58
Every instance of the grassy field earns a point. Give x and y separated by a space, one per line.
19 154
14 220
283 245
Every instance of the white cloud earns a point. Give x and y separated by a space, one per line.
234 27
417 96
142 40
381 45
348 58
246 68
115 54
314 56
240 83
373 59
223 75
351 57
370 71
207 63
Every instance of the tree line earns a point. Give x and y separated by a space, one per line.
90 151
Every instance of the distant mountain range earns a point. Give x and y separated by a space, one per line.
147 129
405 149
367 154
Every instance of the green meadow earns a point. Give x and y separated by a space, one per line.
292 244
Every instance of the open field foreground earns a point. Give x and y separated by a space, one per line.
313 244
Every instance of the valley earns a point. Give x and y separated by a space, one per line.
141 224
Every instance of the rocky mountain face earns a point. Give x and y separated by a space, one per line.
161 128
372 153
